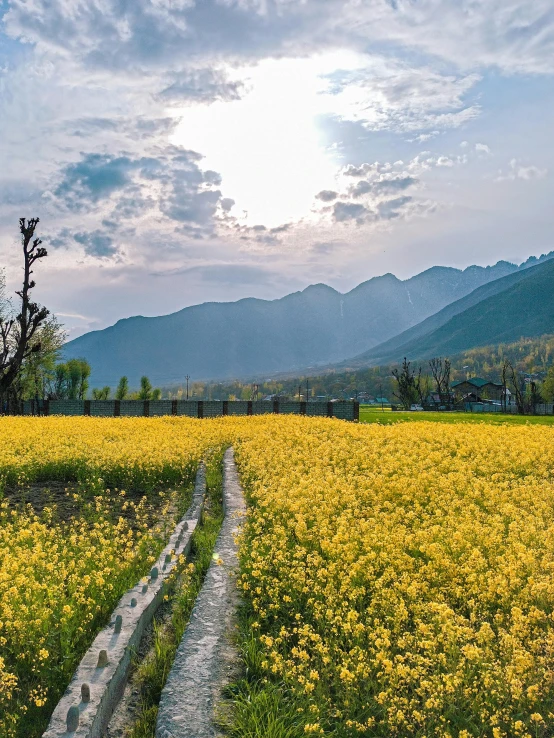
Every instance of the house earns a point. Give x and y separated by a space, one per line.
477 389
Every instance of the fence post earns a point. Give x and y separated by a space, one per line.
225 407
200 408
356 415
174 407
249 408
117 408
46 407
329 409
276 406
302 408
87 407
146 411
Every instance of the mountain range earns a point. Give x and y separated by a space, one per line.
520 305
312 328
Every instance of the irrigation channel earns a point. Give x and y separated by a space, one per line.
205 656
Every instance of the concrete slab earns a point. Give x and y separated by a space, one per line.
98 683
194 684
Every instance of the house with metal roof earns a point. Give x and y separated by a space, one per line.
477 389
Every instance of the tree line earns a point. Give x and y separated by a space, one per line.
415 387
122 392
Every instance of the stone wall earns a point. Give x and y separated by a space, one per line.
192 408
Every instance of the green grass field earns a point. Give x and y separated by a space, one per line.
374 414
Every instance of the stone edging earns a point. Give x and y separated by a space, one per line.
98 683
206 653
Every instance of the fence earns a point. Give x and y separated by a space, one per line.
480 407
191 408
539 408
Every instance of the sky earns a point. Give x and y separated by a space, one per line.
184 151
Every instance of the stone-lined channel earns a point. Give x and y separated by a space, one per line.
98 683
206 652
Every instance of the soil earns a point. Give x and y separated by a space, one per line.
59 496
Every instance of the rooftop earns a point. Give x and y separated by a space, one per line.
476 382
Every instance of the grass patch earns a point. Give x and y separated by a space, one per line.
151 673
260 707
386 417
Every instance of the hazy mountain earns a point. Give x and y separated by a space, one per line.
314 327
520 305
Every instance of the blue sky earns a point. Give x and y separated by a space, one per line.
179 151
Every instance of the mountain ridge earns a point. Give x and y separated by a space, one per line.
513 307
311 327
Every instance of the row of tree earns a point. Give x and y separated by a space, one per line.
69 381
146 391
415 387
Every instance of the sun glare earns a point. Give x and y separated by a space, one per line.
267 145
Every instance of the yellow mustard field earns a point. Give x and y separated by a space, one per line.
399 580
62 574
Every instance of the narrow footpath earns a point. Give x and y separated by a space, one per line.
206 654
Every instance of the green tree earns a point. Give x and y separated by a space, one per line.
122 389
101 394
145 392
156 394
406 384
61 378
36 379
78 372
547 389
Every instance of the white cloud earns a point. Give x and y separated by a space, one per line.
519 171
245 83
483 148
386 94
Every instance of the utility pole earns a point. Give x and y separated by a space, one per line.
187 378
381 391
299 392
307 390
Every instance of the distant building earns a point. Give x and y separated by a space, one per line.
477 390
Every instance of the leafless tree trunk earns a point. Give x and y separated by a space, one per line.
440 369
505 385
422 386
518 384
17 334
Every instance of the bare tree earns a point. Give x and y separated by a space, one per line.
505 365
518 387
18 335
423 386
526 401
440 369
